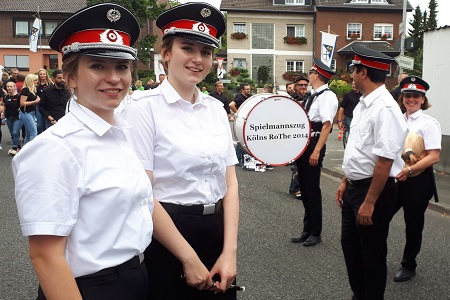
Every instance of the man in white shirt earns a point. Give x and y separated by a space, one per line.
368 190
321 107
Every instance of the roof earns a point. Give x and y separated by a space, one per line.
263 6
51 6
382 46
347 5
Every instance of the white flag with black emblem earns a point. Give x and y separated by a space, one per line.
34 34
328 47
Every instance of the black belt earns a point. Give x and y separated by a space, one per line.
366 181
132 263
195 209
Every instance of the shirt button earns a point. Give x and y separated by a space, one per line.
145 202
209 157
206 180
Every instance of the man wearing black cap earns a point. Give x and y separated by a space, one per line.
321 107
301 89
368 190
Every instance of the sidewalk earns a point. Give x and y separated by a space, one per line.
332 165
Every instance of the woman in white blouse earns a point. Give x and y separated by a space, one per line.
416 181
183 139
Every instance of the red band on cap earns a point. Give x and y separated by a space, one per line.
98 36
372 63
322 72
192 25
414 86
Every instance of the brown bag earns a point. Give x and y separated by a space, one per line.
414 150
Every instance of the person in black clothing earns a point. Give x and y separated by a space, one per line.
240 98
348 104
301 89
12 105
218 94
28 101
397 91
54 100
13 78
2 109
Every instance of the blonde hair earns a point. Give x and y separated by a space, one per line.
48 81
29 82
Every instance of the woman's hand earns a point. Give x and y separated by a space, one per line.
38 99
225 267
197 274
403 175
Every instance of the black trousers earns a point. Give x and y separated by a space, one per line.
414 195
309 181
365 247
129 284
205 235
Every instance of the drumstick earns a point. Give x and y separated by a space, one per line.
232 287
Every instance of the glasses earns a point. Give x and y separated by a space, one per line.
411 95
302 84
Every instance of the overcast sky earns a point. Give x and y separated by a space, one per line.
443 8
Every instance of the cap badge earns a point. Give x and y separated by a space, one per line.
205 12
413 79
113 15
412 86
111 36
200 27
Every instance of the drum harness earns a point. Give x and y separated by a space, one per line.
315 126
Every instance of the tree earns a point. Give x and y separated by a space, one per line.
144 11
417 24
432 19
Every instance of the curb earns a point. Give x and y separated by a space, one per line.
435 206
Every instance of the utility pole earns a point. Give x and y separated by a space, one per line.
403 35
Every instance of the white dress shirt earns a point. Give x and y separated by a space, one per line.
427 127
324 107
81 179
378 129
187 146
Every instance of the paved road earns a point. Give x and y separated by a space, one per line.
268 264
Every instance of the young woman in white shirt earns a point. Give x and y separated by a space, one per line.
183 139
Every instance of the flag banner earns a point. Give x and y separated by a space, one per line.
328 47
220 67
34 34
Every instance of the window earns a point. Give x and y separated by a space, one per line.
262 65
295 2
239 27
370 1
21 62
383 31
49 26
354 31
295 66
262 36
295 30
240 63
21 28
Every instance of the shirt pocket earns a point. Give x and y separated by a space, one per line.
220 142
362 132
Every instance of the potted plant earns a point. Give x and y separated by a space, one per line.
354 35
290 75
238 35
295 40
235 72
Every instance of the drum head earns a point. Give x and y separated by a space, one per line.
275 130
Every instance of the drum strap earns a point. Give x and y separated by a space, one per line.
313 97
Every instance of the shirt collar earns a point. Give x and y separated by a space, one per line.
93 121
172 96
369 99
414 115
322 87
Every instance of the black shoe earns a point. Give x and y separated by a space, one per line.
312 241
301 239
404 274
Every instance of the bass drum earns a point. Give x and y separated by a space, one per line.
272 128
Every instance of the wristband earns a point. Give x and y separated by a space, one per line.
339 121
409 170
